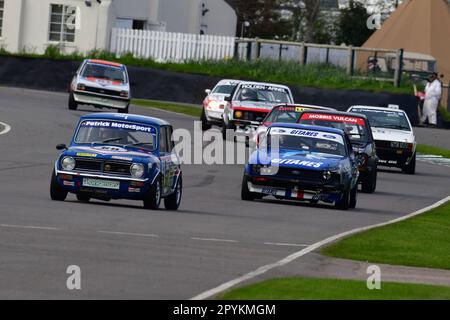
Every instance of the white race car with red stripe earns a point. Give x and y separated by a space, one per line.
102 84
250 103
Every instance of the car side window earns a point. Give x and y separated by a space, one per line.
163 146
170 142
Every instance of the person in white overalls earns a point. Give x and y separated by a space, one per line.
433 93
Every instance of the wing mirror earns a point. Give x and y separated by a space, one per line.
61 146
208 91
228 98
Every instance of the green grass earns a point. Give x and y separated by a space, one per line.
430 150
169 106
422 241
291 73
332 289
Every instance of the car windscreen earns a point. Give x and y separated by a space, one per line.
224 89
307 141
118 133
105 72
355 127
284 114
263 93
390 119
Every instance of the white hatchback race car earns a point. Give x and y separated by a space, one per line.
102 84
393 134
214 103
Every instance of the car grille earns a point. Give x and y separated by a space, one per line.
103 91
310 175
251 115
103 166
382 144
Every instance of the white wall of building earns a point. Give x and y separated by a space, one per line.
186 16
26 23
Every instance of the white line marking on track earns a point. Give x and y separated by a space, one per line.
130 234
214 240
6 128
285 244
313 247
28 227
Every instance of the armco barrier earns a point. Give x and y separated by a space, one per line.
55 75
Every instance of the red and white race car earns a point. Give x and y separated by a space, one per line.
102 84
214 103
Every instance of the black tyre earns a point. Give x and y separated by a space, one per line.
153 197
344 203
353 197
82 197
57 193
73 105
173 201
369 182
246 195
126 110
226 127
205 124
411 167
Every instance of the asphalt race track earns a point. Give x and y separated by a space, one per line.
127 252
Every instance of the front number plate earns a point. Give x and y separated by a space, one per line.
97 183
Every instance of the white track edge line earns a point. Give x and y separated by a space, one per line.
6 129
313 247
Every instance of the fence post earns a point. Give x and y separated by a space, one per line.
398 68
236 50
113 45
350 61
303 54
249 50
258 49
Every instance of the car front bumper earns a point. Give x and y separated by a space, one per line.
101 100
128 188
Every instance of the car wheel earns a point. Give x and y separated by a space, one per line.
173 201
344 203
226 127
353 197
126 110
153 197
369 182
83 197
246 195
411 167
57 193
205 124
73 105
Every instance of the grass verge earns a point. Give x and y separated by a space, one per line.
430 150
286 72
332 289
169 106
422 241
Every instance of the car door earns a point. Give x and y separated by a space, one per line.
168 166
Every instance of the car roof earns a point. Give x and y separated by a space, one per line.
126 117
338 113
307 127
265 84
376 108
297 105
104 62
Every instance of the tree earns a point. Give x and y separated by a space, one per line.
352 25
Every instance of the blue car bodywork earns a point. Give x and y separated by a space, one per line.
114 169
296 174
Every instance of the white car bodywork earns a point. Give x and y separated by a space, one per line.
214 103
396 139
101 93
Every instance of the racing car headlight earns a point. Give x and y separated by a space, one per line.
137 170
68 163
124 94
238 114
81 87
327 175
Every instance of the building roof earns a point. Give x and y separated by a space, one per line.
418 26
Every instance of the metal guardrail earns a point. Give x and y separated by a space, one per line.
252 51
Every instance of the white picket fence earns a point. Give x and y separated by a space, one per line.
168 46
